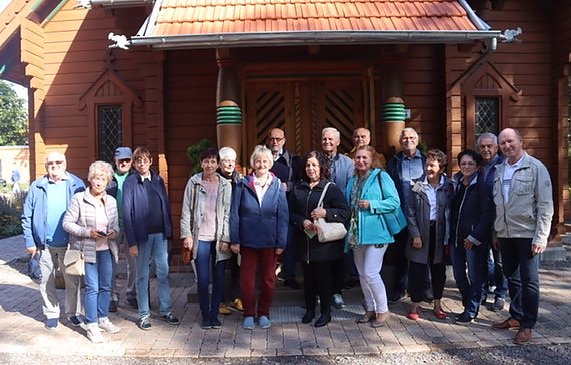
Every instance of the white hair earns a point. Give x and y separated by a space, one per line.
227 153
261 150
333 130
55 156
488 135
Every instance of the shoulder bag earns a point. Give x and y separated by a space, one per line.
329 231
395 220
74 262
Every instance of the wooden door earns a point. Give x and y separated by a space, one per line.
302 108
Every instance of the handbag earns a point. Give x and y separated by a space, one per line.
74 262
328 231
395 220
187 253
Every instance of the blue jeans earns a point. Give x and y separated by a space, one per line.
205 255
98 286
470 285
522 270
156 247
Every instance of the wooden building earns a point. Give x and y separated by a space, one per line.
176 71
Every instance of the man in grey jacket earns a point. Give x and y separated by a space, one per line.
524 209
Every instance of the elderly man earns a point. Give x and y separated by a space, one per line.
148 224
44 208
361 137
342 168
285 168
123 165
488 147
524 209
404 168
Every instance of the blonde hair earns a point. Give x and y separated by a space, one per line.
100 168
264 151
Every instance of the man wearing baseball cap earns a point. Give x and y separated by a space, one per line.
123 164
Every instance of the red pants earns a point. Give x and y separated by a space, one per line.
267 259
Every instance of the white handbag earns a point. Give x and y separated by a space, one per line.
328 231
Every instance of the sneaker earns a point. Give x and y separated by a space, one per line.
133 303
215 323
223 309
205 324
144 323
112 306
94 333
51 323
338 301
464 318
498 305
171 319
248 323
75 321
264 322
106 325
237 304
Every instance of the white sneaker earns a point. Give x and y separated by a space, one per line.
106 325
94 333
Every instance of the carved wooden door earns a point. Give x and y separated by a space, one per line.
302 108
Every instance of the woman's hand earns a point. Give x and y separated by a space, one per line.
309 225
363 204
224 246
235 247
318 213
417 243
112 234
279 251
188 243
93 234
468 244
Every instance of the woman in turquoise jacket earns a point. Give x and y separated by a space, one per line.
370 193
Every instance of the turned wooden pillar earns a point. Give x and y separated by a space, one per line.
392 108
228 103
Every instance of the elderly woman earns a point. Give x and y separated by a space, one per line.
258 231
370 193
228 171
316 257
91 220
472 216
427 210
204 227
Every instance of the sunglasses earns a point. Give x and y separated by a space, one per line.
51 163
124 160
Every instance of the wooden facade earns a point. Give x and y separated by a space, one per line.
168 98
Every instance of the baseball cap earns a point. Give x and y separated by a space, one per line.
123 152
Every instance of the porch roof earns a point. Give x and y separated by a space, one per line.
239 23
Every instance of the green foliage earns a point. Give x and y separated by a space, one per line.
193 153
13 117
10 215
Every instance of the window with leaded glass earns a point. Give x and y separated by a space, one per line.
109 131
487 115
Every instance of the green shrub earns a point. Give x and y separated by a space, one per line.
10 215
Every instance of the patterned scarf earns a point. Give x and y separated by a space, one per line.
353 234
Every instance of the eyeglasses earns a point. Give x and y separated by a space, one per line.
465 164
274 139
143 161
124 160
51 163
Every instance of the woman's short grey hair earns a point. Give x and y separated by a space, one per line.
262 151
227 153
100 168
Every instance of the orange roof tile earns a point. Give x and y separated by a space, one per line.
219 20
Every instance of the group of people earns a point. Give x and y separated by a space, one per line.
274 213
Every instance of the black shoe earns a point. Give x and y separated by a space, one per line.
171 319
206 324
307 317
292 284
428 298
395 298
464 318
112 306
323 320
133 303
215 323
144 323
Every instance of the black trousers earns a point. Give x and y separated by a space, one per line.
317 281
418 273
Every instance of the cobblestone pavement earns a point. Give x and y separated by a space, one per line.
22 329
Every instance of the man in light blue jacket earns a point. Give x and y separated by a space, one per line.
524 209
42 218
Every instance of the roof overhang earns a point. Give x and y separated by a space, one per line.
189 41
88 4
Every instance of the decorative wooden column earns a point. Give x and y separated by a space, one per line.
393 108
228 103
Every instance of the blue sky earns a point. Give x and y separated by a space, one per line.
3 4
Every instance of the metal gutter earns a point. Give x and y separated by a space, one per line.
260 39
88 4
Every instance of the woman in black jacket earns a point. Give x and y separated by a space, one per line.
316 257
472 214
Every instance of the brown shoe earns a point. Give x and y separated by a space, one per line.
380 319
367 317
506 325
523 336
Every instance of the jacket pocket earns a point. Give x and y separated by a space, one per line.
523 185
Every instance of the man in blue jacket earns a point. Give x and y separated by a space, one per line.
147 222
44 208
